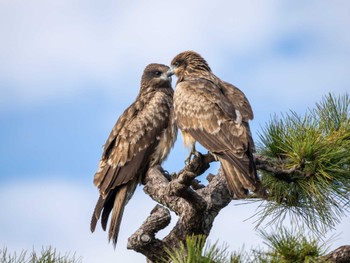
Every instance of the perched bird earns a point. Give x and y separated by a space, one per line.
216 114
141 138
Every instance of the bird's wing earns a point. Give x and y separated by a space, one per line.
238 99
241 103
130 143
204 112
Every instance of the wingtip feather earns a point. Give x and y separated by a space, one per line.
96 214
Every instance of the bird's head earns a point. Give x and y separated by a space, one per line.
188 62
156 76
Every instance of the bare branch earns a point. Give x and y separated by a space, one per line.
143 240
339 255
266 164
196 209
195 168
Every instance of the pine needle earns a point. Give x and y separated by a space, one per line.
194 251
318 144
287 246
47 255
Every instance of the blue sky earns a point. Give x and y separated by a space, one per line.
68 69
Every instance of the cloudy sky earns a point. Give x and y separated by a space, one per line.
69 68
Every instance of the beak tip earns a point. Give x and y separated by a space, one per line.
170 72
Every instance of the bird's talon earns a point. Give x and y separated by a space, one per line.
191 156
197 154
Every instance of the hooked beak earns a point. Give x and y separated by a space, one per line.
171 71
166 76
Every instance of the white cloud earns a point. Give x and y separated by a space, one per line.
54 50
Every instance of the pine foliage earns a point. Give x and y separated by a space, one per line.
313 153
47 255
194 251
283 246
287 246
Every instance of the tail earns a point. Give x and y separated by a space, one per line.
96 214
114 203
117 214
240 175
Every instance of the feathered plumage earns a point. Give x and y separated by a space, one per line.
141 138
216 114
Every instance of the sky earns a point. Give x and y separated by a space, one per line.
69 68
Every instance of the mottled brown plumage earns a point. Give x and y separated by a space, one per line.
141 138
216 114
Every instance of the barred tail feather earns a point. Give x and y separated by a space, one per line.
240 175
96 214
232 175
117 214
114 203
117 202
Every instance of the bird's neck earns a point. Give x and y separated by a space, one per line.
196 74
151 90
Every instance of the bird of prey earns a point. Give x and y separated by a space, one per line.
216 114
141 138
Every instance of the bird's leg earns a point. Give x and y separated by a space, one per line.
193 152
215 156
165 173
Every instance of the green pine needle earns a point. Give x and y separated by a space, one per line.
194 251
47 255
317 147
283 246
287 246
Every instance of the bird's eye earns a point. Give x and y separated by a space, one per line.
157 73
176 64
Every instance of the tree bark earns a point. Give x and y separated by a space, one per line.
195 205
339 255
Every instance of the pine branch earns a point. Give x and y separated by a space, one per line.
339 255
143 240
196 209
264 163
304 163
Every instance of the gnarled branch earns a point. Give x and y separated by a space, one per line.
144 240
339 255
196 206
264 163
196 209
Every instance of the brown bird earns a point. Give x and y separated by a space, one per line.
141 138
216 114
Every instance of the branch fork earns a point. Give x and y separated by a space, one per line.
196 207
